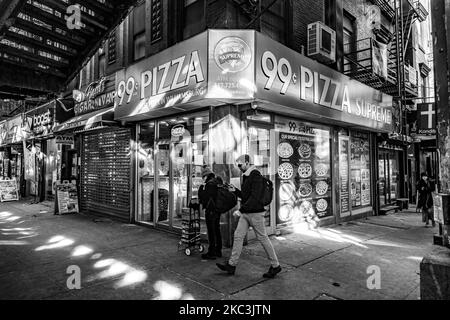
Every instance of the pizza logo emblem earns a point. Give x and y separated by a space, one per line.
232 54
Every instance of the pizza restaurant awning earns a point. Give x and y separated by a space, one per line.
88 121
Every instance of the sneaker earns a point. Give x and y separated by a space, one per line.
272 272
208 256
226 267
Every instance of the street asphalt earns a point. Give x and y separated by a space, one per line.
41 254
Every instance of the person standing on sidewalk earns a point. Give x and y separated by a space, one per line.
425 201
207 195
252 214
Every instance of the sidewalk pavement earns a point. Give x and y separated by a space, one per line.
124 261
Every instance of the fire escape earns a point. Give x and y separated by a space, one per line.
401 79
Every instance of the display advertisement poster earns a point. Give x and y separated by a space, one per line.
356 187
360 171
343 177
67 197
365 187
8 190
231 65
303 177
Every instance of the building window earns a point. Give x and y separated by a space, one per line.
273 21
349 38
102 65
112 48
424 88
156 21
194 17
139 32
139 46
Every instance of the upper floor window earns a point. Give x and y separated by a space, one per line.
193 17
274 19
139 32
102 65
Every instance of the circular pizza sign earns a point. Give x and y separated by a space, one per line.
178 131
232 54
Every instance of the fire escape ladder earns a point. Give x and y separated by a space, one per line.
407 27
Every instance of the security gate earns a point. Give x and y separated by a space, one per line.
105 172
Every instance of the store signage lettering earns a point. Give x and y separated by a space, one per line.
64 139
162 79
301 128
41 120
96 103
93 98
320 89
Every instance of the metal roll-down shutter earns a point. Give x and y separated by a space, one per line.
105 172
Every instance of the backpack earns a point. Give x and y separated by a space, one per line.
225 200
267 191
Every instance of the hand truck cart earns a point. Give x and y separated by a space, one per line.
190 229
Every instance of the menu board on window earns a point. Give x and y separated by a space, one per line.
303 177
343 177
8 190
365 187
360 170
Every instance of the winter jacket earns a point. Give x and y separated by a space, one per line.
207 194
425 200
251 192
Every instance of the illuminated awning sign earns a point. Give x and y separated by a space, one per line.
174 76
287 78
241 66
93 98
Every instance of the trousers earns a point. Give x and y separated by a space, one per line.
257 221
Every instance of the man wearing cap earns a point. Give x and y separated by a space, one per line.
207 194
252 214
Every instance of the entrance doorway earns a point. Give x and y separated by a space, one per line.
389 184
259 149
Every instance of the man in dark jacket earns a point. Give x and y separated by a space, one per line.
207 196
425 201
251 213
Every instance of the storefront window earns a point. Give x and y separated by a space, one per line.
182 152
146 172
303 172
360 170
389 176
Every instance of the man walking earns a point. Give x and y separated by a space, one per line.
252 214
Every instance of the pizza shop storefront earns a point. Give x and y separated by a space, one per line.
207 100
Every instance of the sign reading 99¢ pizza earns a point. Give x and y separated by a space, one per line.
303 178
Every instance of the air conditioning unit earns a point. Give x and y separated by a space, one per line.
321 42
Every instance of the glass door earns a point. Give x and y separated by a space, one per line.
146 173
163 187
259 150
181 154
383 180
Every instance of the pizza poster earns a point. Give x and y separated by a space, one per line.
303 178
343 177
8 190
365 187
67 198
